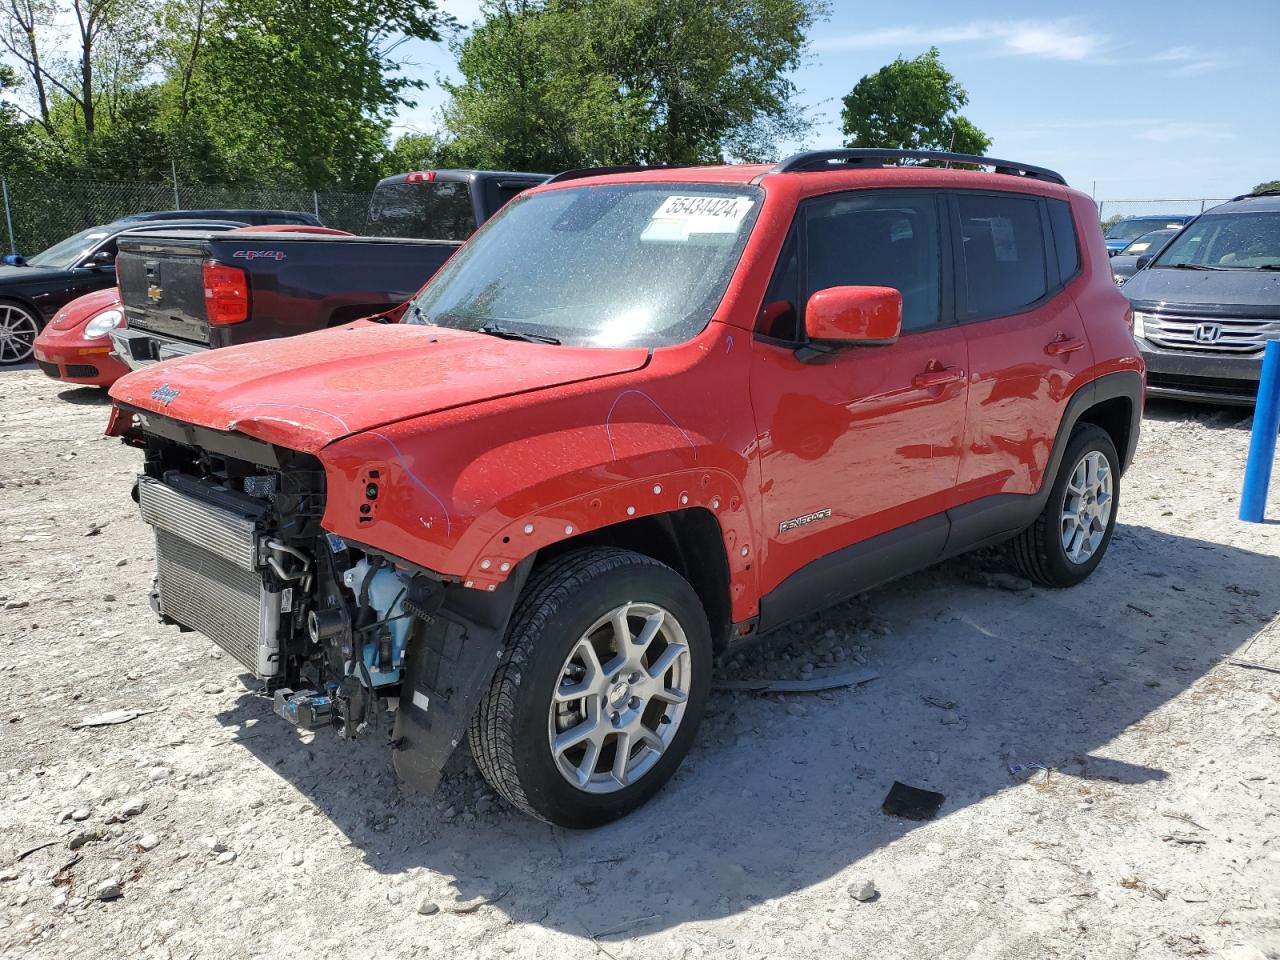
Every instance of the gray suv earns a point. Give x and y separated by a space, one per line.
1205 305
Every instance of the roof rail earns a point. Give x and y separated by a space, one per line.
582 173
860 156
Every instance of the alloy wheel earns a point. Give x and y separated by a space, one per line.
18 330
1086 507
620 698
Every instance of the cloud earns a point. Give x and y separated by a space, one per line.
1171 131
1065 39
1045 39
1188 61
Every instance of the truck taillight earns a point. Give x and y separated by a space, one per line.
420 176
226 294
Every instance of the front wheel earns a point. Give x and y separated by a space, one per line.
600 690
18 329
1067 541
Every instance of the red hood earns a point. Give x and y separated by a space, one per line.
305 392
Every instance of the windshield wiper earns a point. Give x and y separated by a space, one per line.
506 333
1268 266
1189 266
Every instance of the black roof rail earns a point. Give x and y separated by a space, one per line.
582 173
863 156
1269 192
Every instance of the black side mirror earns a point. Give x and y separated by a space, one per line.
1142 261
101 259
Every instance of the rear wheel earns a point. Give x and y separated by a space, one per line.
1068 539
600 690
18 328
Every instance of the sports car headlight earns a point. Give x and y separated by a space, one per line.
99 325
1139 323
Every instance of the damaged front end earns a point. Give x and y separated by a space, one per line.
336 631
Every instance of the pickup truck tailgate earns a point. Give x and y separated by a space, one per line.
162 286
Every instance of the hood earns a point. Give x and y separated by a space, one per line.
10 274
1124 266
1254 293
305 392
83 309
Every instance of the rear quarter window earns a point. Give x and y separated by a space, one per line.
1065 242
1003 261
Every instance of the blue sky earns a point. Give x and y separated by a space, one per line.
1150 100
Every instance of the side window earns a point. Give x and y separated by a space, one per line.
1002 253
881 240
780 313
1066 245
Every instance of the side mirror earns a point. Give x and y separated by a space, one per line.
102 258
1142 261
1112 253
13 259
853 316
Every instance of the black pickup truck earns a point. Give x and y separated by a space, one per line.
188 291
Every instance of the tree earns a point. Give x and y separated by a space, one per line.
563 83
15 151
911 105
303 90
1268 186
108 51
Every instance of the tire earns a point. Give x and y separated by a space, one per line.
563 619
19 326
1041 552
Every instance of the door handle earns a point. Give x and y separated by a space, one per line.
1063 346
938 377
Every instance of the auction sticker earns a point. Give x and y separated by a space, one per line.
680 217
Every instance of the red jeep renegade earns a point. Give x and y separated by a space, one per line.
639 417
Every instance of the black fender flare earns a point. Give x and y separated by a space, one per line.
450 660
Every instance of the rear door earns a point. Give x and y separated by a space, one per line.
867 440
1015 254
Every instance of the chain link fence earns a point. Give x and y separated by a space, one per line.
37 214
40 213
1111 210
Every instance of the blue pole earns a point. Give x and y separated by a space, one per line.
1262 444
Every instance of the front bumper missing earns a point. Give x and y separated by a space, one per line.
209 575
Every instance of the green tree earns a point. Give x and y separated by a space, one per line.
1267 186
564 83
911 105
303 91
416 151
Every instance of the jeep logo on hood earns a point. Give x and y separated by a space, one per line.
165 394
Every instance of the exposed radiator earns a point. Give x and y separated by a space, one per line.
207 575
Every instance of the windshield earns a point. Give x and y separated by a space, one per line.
66 253
429 210
1147 243
1227 241
637 264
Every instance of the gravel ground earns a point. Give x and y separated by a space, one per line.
1145 820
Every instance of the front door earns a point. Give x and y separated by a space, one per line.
864 441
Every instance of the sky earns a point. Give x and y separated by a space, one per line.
1128 100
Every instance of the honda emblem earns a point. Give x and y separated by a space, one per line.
1207 333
